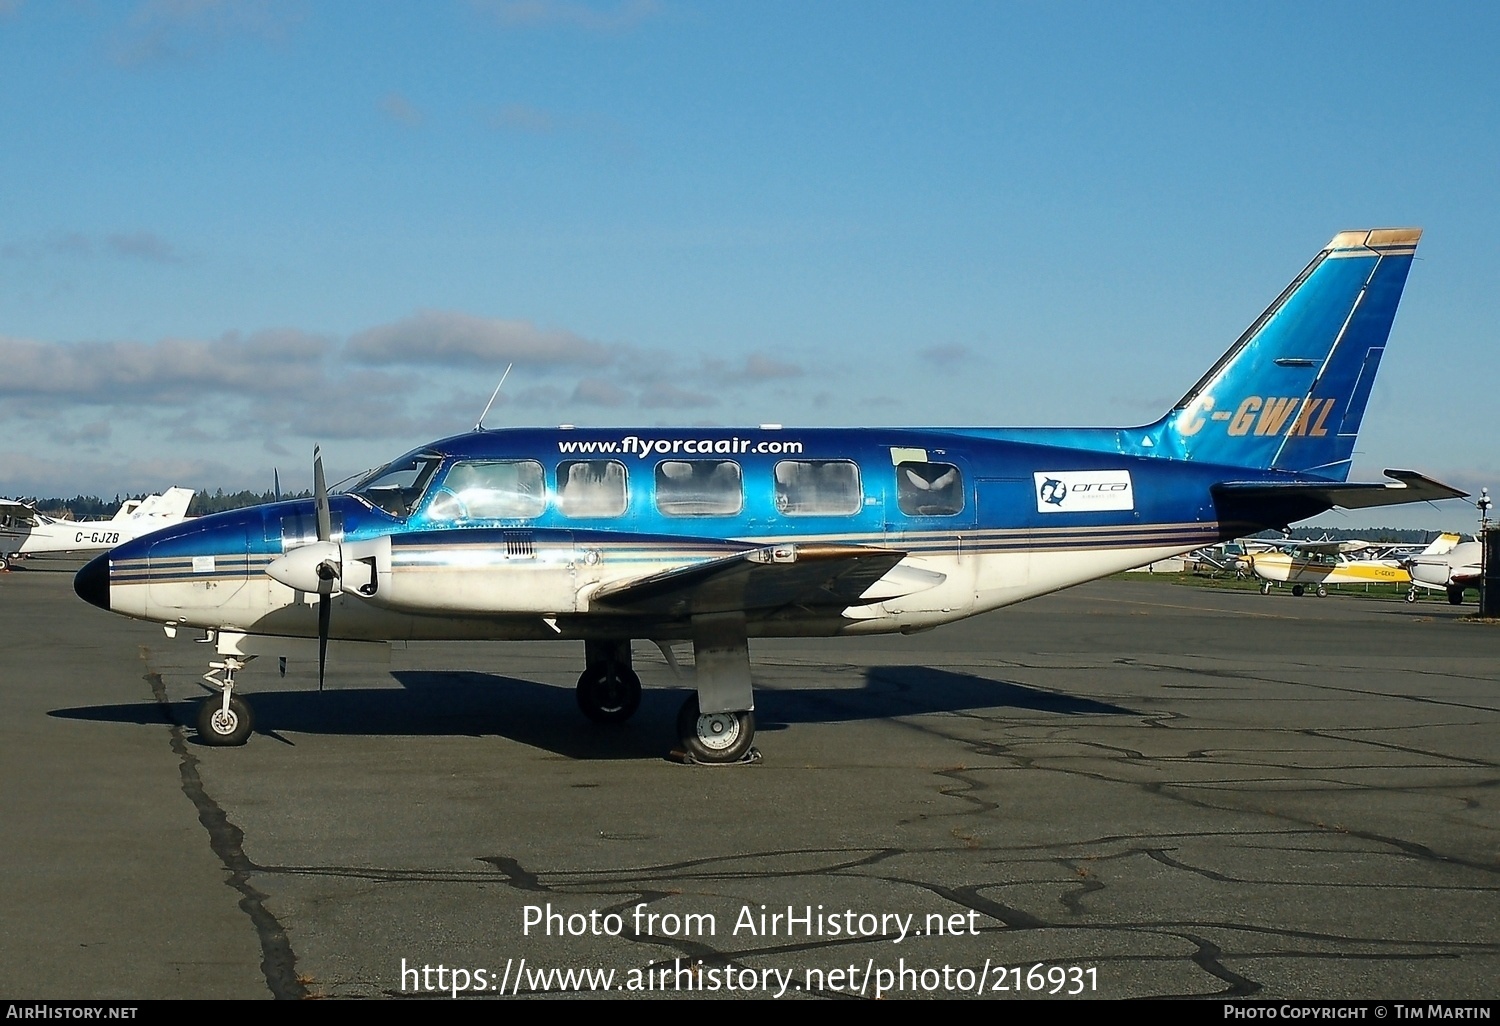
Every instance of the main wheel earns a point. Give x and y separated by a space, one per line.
1322 591
219 727
609 694
715 737
1297 590
1455 596
1265 587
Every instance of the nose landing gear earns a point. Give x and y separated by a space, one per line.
226 720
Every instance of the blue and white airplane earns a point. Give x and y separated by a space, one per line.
718 536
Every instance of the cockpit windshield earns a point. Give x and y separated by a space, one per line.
397 487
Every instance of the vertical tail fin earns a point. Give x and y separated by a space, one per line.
1291 392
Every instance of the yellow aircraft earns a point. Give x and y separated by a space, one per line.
1318 564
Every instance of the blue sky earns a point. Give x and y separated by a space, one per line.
233 229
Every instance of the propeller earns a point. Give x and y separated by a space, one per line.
317 567
328 570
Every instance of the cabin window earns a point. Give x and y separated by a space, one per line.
591 488
397 487
929 489
490 490
817 488
699 488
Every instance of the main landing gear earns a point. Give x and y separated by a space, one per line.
716 724
608 690
715 737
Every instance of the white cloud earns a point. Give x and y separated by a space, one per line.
447 338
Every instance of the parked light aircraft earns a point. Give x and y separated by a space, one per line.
25 532
1451 568
718 536
1318 564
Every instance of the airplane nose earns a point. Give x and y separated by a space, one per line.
92 582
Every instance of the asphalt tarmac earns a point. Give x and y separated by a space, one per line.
1131 789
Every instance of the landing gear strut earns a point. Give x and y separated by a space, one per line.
225 720
608 690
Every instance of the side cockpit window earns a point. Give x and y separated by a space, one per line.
699 488
591 488
929 489
490 490
814 488
398 487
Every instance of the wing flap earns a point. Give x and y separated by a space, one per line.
756 580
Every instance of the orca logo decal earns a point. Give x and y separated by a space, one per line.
1083 491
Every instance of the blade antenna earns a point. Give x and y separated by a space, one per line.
479 425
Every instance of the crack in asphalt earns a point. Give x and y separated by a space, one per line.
278 962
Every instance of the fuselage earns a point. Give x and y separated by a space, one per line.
513 533
1458 567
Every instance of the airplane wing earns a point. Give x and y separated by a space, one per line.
1330 548
1404 486
756 580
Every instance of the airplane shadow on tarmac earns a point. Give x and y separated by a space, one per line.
466 703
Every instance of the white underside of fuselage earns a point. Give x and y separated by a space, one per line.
495 600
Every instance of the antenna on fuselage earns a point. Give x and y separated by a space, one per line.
479 424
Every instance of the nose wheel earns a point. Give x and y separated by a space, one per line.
224 723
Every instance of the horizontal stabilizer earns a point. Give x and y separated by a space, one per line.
756 580
1404 486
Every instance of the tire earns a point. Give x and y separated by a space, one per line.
1322 591
1411 593
1297 590
609 694
1265 587
1455 596
718 737
226 730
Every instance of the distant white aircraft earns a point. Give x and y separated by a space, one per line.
25 532
1447 565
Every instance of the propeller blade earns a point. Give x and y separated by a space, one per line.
325 605
320 497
